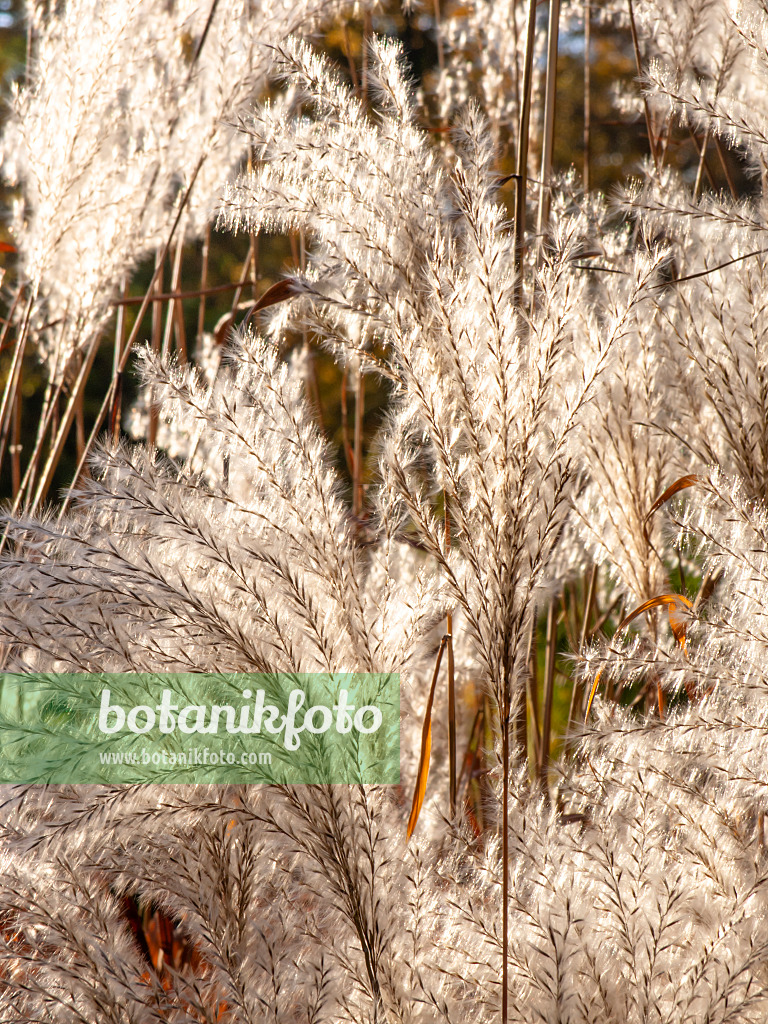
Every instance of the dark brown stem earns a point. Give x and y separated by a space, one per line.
639 66
438 36
62 427
726 171
255 241
218 289
505 855
14 376
79 426
246 271
179 330
549 681
349 455
171 313
157 327
452 780
350 59
589 600
550 101
16 446
588 604
520 725
7 322
204 36
357 477
533 688
471 753
367 29
48 417
587 91
115 408
701 149
203 292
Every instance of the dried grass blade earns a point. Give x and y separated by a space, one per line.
426 748
592 693
679 485
672 602
473 749
277 292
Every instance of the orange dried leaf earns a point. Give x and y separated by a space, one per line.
660 697
592 693
277 292
678 623
426 749
679 485
674 603
423 774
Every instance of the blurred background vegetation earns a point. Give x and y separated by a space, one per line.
618 144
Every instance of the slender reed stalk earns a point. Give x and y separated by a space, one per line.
574 710
520 723
357 476
57 446
532 688
148 295
14 376
197 293
505 768
452 767
116 406
652 142
702 150
246 271
726 169
9 317
521 169
79 427
16 446
157 334
439 36
350 59
587 93
349 455
48 419
548 141
548 695
203 292
170 316
364 73
178 310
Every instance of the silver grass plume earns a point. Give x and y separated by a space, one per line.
488 405
126 107
638 890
